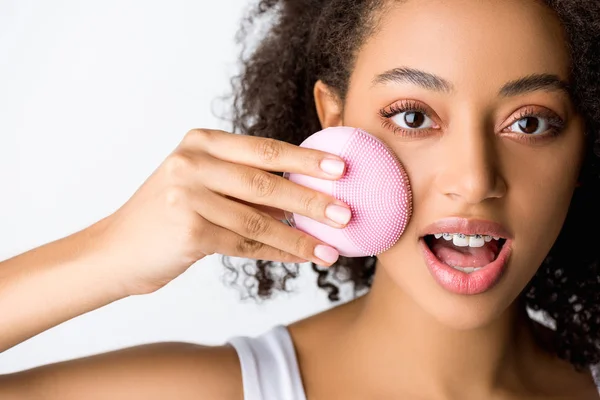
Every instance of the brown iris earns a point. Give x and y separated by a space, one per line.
414 119
529 124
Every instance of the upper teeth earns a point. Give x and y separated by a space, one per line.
462 240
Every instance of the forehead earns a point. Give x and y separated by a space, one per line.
468 42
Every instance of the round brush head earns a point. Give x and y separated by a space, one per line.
375 186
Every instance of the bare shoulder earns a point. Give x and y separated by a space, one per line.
152 371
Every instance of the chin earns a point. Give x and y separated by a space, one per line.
466 312
456 311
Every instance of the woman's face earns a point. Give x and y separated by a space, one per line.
476 143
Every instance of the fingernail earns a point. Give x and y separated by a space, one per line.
326 253
332 167
338 214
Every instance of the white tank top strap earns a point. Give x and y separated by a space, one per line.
269 366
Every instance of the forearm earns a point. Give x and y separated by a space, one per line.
52 284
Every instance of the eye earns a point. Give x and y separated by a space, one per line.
412 120
531 126
534 122
407 118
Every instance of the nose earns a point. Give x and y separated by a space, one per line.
470 166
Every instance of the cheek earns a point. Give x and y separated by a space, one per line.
537 211
537 202
541 185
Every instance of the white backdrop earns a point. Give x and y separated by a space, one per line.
93 96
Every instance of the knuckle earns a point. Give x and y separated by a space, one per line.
262 184
311 202
175 196
310 160
198 135
178 165
303 246
255 224
248 246
269 150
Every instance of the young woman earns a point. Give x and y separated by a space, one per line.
493 107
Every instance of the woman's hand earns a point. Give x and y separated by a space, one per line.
213 194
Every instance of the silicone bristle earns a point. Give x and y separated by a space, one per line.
381 202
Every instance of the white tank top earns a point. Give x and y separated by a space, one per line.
269 366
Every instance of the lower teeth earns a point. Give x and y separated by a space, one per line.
467 270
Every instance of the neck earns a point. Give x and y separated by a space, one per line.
390 327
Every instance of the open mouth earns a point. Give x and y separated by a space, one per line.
465 253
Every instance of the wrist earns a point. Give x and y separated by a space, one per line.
96 258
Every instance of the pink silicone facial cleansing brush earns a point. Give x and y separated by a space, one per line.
375 186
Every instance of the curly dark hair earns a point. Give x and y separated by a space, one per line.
309 40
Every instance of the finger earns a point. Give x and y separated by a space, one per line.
274 212
219 240
263 153
259 227
256 186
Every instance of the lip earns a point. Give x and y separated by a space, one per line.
460 282
467 226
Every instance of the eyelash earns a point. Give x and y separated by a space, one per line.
556 123
398 108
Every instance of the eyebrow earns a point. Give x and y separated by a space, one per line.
420 78
426 80
533 83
